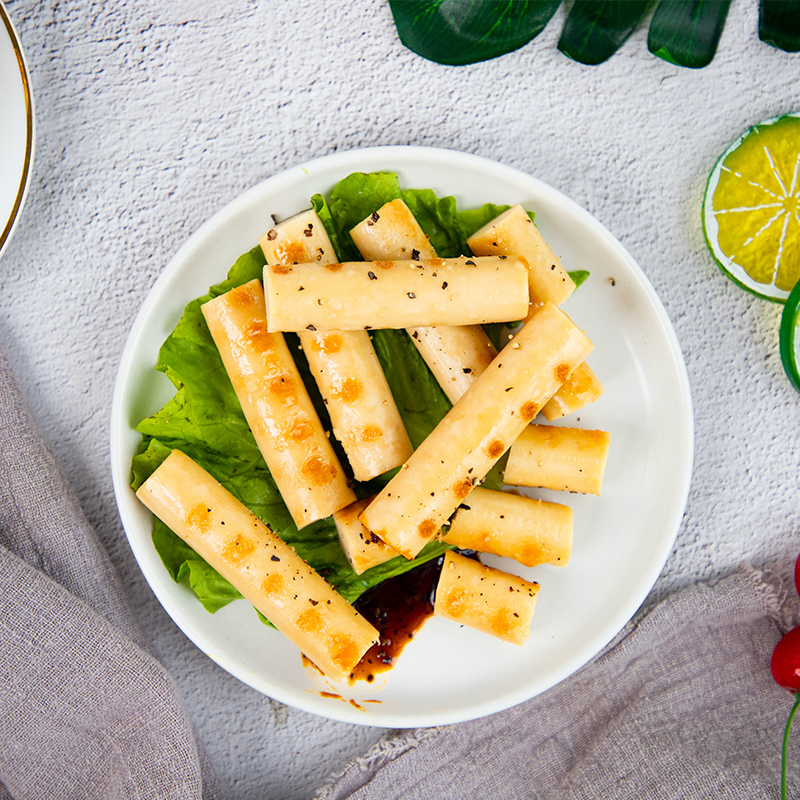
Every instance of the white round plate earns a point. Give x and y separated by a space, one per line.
16 128
448 673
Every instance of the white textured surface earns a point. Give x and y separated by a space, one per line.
153 115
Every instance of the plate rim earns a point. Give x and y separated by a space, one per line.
394 155
22 190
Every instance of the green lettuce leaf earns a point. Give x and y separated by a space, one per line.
204 418
578 276
360 194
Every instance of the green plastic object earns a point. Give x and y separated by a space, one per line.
779 24
686 32
458 32
596 29
789 337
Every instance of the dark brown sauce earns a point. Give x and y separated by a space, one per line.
332 696
397 608
307 662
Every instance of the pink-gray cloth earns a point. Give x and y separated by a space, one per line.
680 705
86 711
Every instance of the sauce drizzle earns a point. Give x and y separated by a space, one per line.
397 607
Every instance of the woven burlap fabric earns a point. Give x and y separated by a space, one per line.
86 711
681 705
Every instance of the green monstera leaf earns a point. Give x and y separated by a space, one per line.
463 32
686 32
683 32
596 29
779 24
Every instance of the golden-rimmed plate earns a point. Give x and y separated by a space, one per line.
16 128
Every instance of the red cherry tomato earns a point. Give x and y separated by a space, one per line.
785 664
797 574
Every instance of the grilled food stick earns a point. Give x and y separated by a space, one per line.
395 294
276 405
473 435
583 388
456 355
513 231
268 573
564 459
363 413
362 549
486 599
530 531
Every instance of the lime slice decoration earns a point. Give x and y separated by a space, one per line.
751 209
789 337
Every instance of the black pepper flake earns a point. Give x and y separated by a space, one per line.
612 281
273 234
313 602
552 266
469 262
372 276
310 328
373 218
444 284
411 295
309 230
467 370
275 558
274 219
509 388
415 335
502 258
415 255
465 507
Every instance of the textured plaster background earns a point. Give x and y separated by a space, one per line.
153 115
